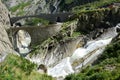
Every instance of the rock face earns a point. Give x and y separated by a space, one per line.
98 19
5 45
57 47
4 16
23 41
31 7
51 52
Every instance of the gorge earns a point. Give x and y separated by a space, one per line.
58 50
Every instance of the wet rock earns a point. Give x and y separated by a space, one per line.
51 52
23 41
42 68
33 7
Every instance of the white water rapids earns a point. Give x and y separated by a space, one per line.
82 56
87 54
65 66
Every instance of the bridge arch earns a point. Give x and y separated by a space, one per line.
38 34
22 41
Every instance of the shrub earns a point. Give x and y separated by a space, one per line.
18 68
35 21
19 6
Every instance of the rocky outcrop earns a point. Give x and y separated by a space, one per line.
102 18
51 52
5 44
31 7
69 4
4 16
57 47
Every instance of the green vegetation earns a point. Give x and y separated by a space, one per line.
20 6
106 68
93 11
20 12
36 21
68 1
41 48
93 6
68 31
75 34
18 68
66 24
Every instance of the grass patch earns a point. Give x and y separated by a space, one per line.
75 34
68 1
20 13
93 6
18 68
36 21
20 6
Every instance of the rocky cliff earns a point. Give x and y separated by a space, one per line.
31 7
63 42
5 44
11 64
97 21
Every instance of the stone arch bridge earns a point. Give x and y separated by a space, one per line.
57 17
38 34
41 33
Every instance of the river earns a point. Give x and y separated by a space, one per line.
82 56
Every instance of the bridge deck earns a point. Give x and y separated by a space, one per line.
50 17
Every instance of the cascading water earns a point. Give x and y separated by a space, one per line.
65 66
86 55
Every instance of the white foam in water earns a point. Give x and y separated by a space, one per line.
23 41
91 58
64 67
97 44
79 53
95 47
